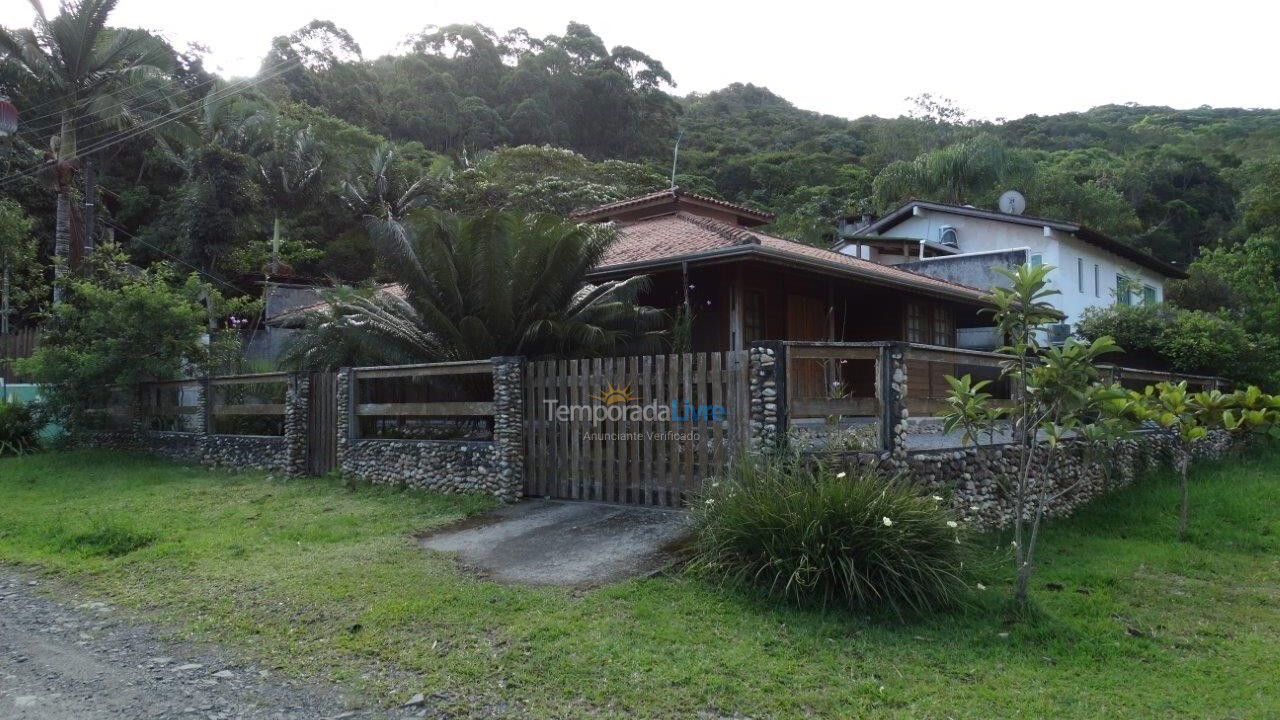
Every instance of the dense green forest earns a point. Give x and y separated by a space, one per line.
276 172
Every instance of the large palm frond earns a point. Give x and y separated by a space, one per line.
494 284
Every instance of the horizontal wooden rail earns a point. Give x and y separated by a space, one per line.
465 367
258 378
248 409
432 409
807 352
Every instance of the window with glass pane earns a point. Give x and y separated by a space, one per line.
1148 295
915 322
944 329
1122 291
1080 273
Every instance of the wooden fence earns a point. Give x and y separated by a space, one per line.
248 404
441 401
16 346
641 430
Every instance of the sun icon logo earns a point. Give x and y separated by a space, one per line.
614 394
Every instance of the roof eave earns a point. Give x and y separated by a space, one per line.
955 292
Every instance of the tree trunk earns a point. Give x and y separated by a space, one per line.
1184 467
90 205
61 241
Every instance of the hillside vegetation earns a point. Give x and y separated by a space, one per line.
502 119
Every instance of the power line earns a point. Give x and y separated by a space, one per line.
173 257
145 127
166 84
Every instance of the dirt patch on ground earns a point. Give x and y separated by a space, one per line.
68 659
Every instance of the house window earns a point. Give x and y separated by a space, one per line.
1037 260
915 323
944 329
1080 274
1097 281
1148 295
1123 296
753 316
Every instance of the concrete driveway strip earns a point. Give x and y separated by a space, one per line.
548 542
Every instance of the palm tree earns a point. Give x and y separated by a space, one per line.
478 287
290 174
98 74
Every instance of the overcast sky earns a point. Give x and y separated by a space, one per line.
1004 59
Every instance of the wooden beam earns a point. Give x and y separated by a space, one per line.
262 409
436 409
468 368
802 352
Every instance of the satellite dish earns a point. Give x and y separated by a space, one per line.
1013 203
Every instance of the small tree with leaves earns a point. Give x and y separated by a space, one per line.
1190 416
1056 395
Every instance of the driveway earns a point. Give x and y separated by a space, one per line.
548 542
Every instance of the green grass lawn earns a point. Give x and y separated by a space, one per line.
320 581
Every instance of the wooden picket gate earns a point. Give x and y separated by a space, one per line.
322 424
639 458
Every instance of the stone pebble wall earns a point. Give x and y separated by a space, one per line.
227 451
972 476
766 385
490 467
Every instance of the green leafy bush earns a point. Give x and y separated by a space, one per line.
1191 341
18 429
811 536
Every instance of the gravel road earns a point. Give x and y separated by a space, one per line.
83 661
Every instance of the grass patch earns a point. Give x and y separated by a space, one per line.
107 539
315 579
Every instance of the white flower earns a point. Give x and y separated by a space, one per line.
975 508
952 523
981 586
887 522
938 498
710 501
840 475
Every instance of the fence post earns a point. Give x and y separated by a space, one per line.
297 430
508 424
343 418
768 387
891 390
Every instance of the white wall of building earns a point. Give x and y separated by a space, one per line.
1068 254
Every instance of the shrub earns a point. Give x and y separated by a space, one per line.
1190 341
810 536
18 429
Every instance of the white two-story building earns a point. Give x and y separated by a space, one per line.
962 243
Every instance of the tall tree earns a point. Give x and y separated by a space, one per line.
98 75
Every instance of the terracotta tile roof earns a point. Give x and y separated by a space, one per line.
604 211
683 236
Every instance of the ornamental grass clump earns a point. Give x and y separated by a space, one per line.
803 533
